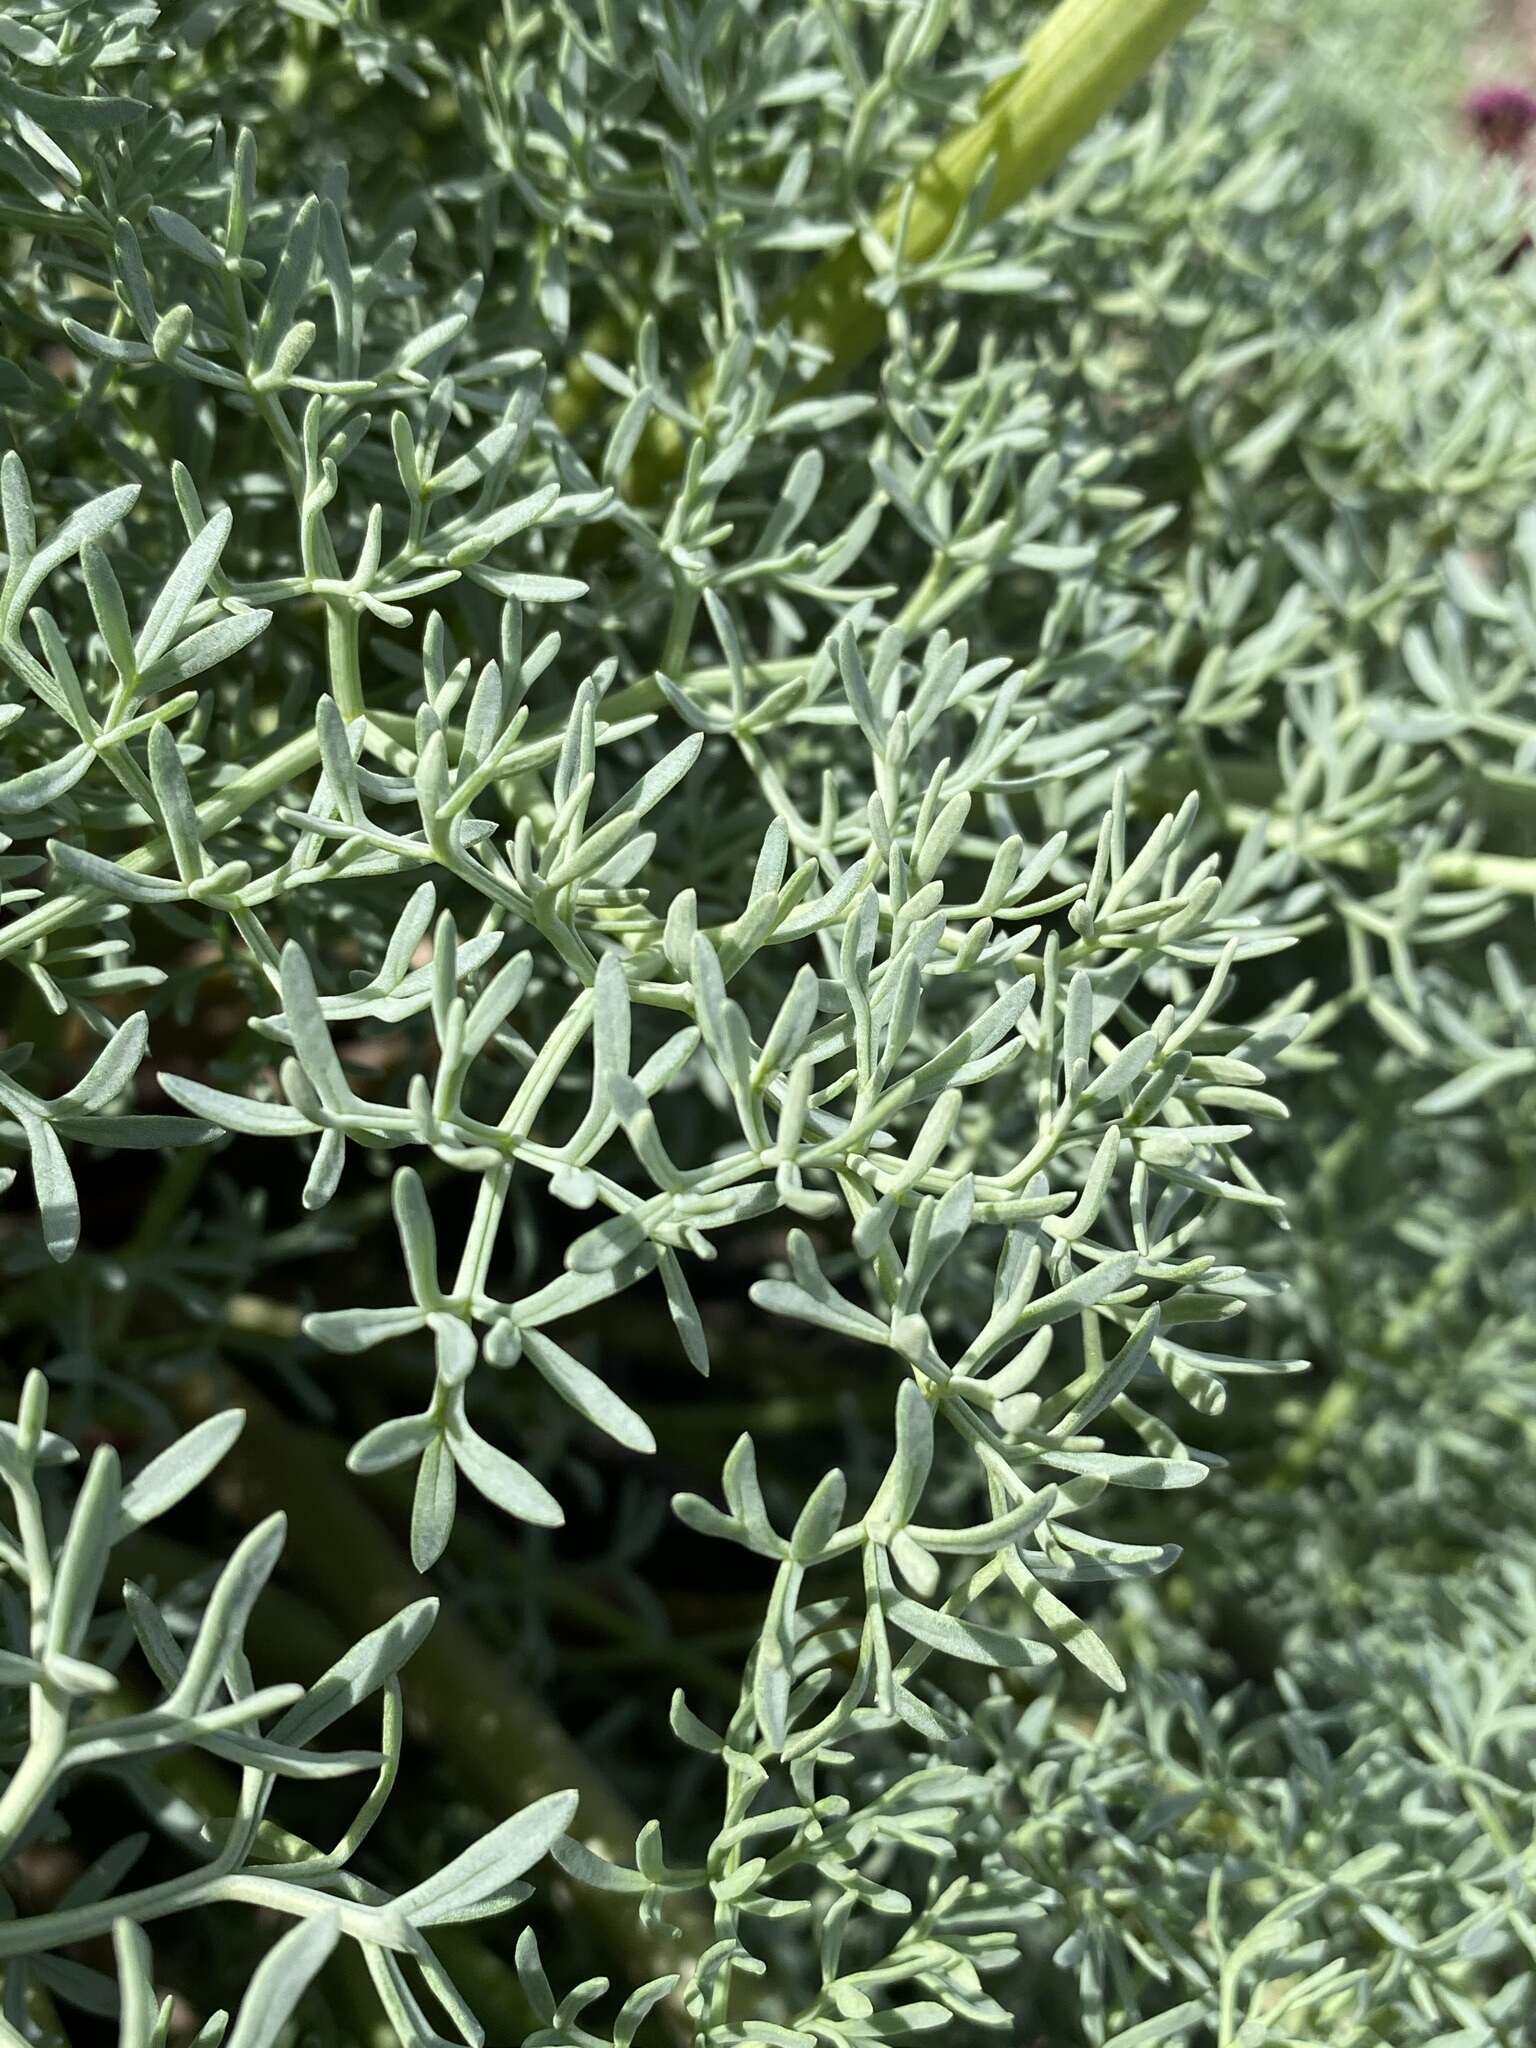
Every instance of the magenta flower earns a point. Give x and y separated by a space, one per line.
1501 117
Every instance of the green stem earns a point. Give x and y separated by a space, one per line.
214 815
1079 63
48 1714
1510 874
343 654
1083 59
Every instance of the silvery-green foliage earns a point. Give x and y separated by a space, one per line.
904 846
1350 1865
72 1714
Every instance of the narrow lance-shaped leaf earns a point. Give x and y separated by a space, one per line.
280 1980
490 1865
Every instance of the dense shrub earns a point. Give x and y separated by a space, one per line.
771 905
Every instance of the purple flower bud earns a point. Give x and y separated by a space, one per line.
1501 117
